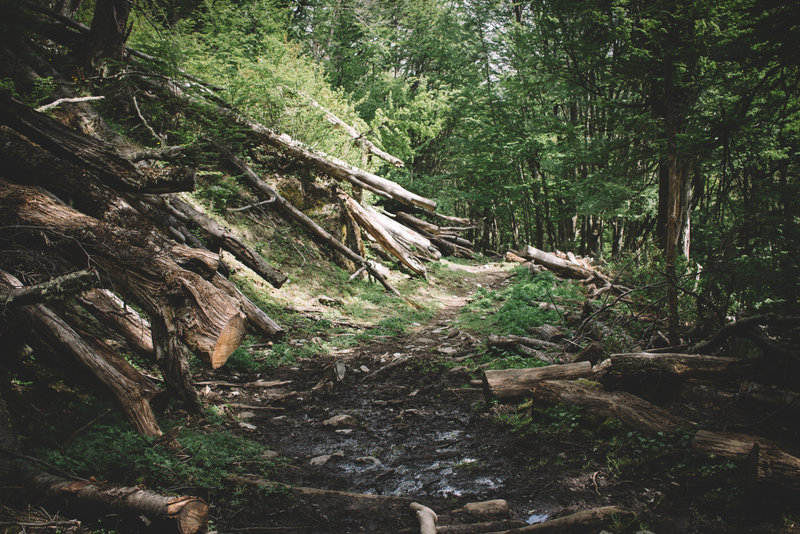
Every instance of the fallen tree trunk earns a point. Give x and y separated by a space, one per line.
448 218
644 367
290 212
427 518
771 397
765 462
354 134
110 310
62 337
591 520
516 384
382 236
447 247
185 515
420 245
559 266
217 236
66 285
92 154
426 226
742 327
631 410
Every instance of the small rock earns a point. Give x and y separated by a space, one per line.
329 301
320 460
247 426
246 415
364 369
368 459
345 431
340 421
280 418
270 455
316 340
447 351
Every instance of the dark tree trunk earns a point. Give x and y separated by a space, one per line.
109 31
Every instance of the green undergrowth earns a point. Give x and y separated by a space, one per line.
110 449
518 307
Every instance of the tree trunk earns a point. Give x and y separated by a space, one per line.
516 384
108 33
765 462
110 310
90 153
62 337
185 515
290 212
59 287
559 266
420 245
629 409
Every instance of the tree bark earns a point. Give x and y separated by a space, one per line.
511 340
110 310
559 266
420 245
516 384
290 212
382 236
59 287
631 410
61 336
108 33
185 515
765 462
90 153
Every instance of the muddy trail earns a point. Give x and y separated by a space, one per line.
402 419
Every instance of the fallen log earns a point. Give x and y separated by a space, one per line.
765 462
447 247
742 327
367 145
447 218
185 515
290 212
771 397
110 310
63 338
591 520
61 286
648 370
218 236
411 239
484 509
631 410
489 527
431 228
558 265
427 518
516 384
381 235
91 153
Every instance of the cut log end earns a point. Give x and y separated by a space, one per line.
229 340
191 515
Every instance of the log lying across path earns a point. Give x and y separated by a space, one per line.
591 520
629 409
184 515
765 462
516 384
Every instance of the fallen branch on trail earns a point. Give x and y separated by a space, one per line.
516 384
511 340
592 520
427 518
764 461
185 515
631 410
559 266
290 212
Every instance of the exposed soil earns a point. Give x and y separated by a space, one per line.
402 420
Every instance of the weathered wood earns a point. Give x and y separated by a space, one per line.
420 245
631 410
290 212
558 265
93 154
218 236
766 462
448 218
771 397
427 518
431 228
381 235
488 527
56 332
186 515
516 384
643 365
66 285
447 247
491 508
110 310
354 134
592 520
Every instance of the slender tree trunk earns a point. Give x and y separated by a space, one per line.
109 31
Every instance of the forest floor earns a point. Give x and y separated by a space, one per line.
401 418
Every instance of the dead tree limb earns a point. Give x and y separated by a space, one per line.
66 285
592 520
516 384
427 518
741 327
